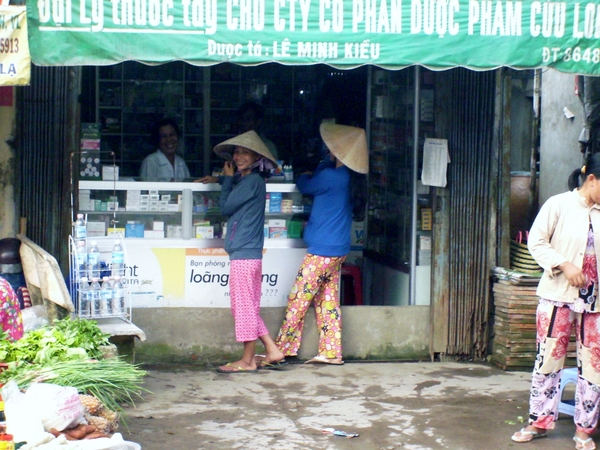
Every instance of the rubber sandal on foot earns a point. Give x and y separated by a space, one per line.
527 436
584 444
275 365
230 368
322 360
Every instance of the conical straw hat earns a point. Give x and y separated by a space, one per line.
250 140
348 144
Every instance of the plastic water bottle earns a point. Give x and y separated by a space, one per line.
118 299
95 297
80 259
106 294
80 230
84 296
93 260
118 259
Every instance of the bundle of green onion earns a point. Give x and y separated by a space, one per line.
112 381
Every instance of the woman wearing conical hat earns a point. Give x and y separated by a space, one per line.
339 192
243 194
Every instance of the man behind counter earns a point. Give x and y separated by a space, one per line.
164 164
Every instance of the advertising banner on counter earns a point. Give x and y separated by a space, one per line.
439 34
192 277
15 60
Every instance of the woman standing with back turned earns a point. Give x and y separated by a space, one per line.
339 194
565 241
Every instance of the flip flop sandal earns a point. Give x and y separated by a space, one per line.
584 444
235 369
272 365
322 360
527 435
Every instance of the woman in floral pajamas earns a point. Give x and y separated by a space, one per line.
565 240
339 194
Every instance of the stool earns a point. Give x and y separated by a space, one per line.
567 376
352 279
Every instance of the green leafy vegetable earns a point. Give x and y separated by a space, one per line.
56 342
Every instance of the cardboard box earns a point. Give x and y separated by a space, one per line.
277 232
174 231
95 229
294 229
275 202
204 232
134 230
158 226
154 234
276 223
115 232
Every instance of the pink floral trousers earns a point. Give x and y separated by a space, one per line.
554 325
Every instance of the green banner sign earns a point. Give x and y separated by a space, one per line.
437 34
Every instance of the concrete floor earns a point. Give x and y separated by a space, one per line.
390 405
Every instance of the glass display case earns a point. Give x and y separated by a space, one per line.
182 211
391 186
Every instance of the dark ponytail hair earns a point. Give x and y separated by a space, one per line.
358 195
591 167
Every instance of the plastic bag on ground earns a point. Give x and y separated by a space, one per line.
22 419
59 406
34 317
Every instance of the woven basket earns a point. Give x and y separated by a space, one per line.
521 260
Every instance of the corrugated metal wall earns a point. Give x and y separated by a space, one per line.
43 141
471 179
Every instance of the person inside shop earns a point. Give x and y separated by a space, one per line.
250 117
242 200
164 164
339 188
565 241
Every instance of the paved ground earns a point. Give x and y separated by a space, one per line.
390 405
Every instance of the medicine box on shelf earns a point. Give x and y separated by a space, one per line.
134 230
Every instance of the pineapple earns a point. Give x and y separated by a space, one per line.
112 418
100 423
91 404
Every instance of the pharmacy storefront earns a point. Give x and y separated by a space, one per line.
179 280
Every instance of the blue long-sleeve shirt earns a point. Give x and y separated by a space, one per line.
243 201
328 230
